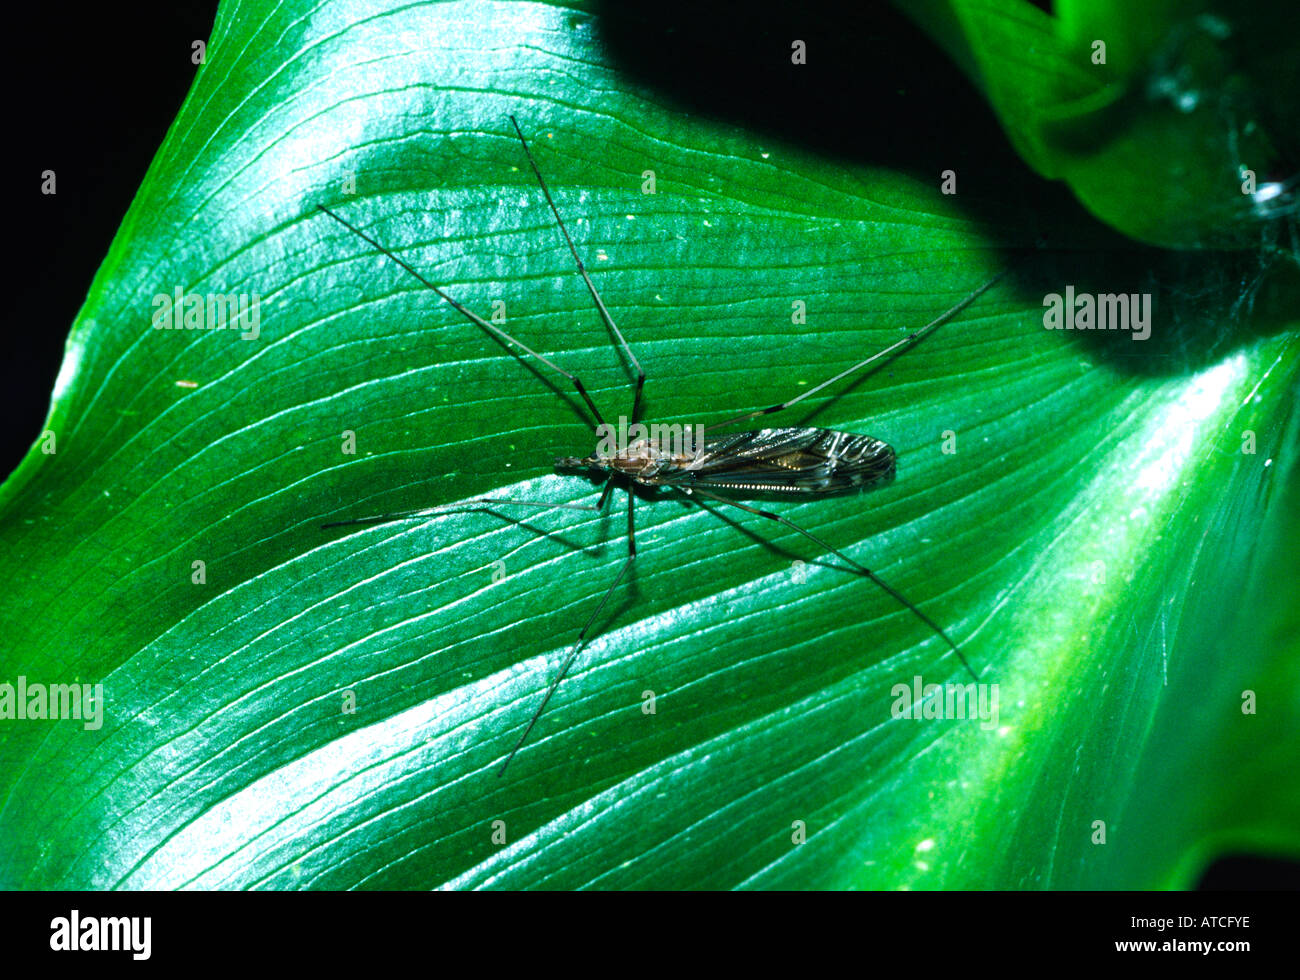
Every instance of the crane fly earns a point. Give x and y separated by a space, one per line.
790 462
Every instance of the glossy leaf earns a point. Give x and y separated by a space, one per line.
328 709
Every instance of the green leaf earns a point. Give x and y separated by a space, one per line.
1098 543
1173 123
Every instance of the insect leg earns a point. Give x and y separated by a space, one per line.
911 338
414 515
489 327
582 270
839 554
582 637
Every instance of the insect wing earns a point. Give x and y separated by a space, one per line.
792 460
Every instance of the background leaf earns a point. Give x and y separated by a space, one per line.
1172 122
1078 544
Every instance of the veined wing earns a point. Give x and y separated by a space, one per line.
792 461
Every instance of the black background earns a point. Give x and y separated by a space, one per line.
92 99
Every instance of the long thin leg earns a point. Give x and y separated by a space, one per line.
839 554
582 269
911 338
415 515
582 637
489 327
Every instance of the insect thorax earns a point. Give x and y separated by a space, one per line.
643 459
640 451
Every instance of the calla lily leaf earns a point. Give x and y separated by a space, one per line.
1102 523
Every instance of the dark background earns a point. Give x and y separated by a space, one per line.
92 99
